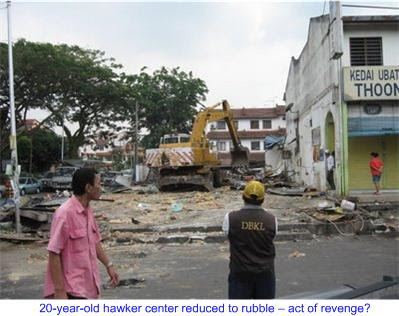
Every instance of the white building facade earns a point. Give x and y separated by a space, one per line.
253 125
342 95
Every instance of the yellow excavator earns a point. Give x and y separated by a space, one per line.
186 161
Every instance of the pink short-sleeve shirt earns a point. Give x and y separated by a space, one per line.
74 235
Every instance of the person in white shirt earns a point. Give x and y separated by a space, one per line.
330 169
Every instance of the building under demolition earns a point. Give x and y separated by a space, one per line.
343 95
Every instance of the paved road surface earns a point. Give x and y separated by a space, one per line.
200 270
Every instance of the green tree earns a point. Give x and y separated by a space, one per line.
118 163
24 148
79 86
166 99
31 87
41 146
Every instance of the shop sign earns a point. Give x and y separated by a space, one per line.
371 83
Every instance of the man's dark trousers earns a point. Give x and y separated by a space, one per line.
263 287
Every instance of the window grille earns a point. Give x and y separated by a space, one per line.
366 51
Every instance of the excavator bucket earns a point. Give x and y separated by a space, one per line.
239 157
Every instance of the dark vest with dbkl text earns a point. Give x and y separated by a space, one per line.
251 234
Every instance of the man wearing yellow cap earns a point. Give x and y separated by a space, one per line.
251 232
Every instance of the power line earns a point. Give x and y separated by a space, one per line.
369 7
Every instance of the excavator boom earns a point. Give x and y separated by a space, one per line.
239 154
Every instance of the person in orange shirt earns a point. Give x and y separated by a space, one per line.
376 166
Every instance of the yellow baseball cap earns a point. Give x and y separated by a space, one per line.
254 189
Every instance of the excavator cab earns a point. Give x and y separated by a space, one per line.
172 140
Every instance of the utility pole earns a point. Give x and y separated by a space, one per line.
62 139
13 136
135 141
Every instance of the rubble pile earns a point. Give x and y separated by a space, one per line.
141 214
35 214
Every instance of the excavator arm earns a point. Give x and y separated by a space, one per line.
239 154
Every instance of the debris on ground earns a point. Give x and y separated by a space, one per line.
296 254
312 193
124 180
135 221
327 217
237 184
279 180
149 189
348 205
132 282
176 207
143 206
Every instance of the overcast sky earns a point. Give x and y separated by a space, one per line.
241 50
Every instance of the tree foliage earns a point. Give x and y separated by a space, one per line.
84 88
43 144
166 100
79 86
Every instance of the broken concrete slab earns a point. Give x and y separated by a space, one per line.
180 239
19 238
36 216
38 209
206 238
123 180
287 191
165 229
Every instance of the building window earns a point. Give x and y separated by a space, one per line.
267 124
255 145
254 124
220 125
366 51
221 146
236 125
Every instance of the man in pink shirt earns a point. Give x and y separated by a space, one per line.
74 245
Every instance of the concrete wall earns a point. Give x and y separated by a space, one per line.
274 161
312 88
